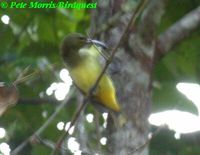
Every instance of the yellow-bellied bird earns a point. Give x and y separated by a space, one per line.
84 68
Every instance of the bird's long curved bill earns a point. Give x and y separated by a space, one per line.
98 43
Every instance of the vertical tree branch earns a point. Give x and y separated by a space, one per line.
177 32
133 82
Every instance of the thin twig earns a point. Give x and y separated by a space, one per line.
132 21
44 126
23 78
21 75
148 140
65 133
48 143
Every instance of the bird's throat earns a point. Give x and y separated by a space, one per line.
72 58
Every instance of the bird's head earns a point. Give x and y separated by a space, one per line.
75 41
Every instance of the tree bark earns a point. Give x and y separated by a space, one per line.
134 62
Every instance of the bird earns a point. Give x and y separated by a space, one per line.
80 56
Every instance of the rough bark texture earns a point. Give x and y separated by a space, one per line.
134 62
133 76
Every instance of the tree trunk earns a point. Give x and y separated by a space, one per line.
133 62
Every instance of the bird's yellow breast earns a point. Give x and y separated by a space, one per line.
85 75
